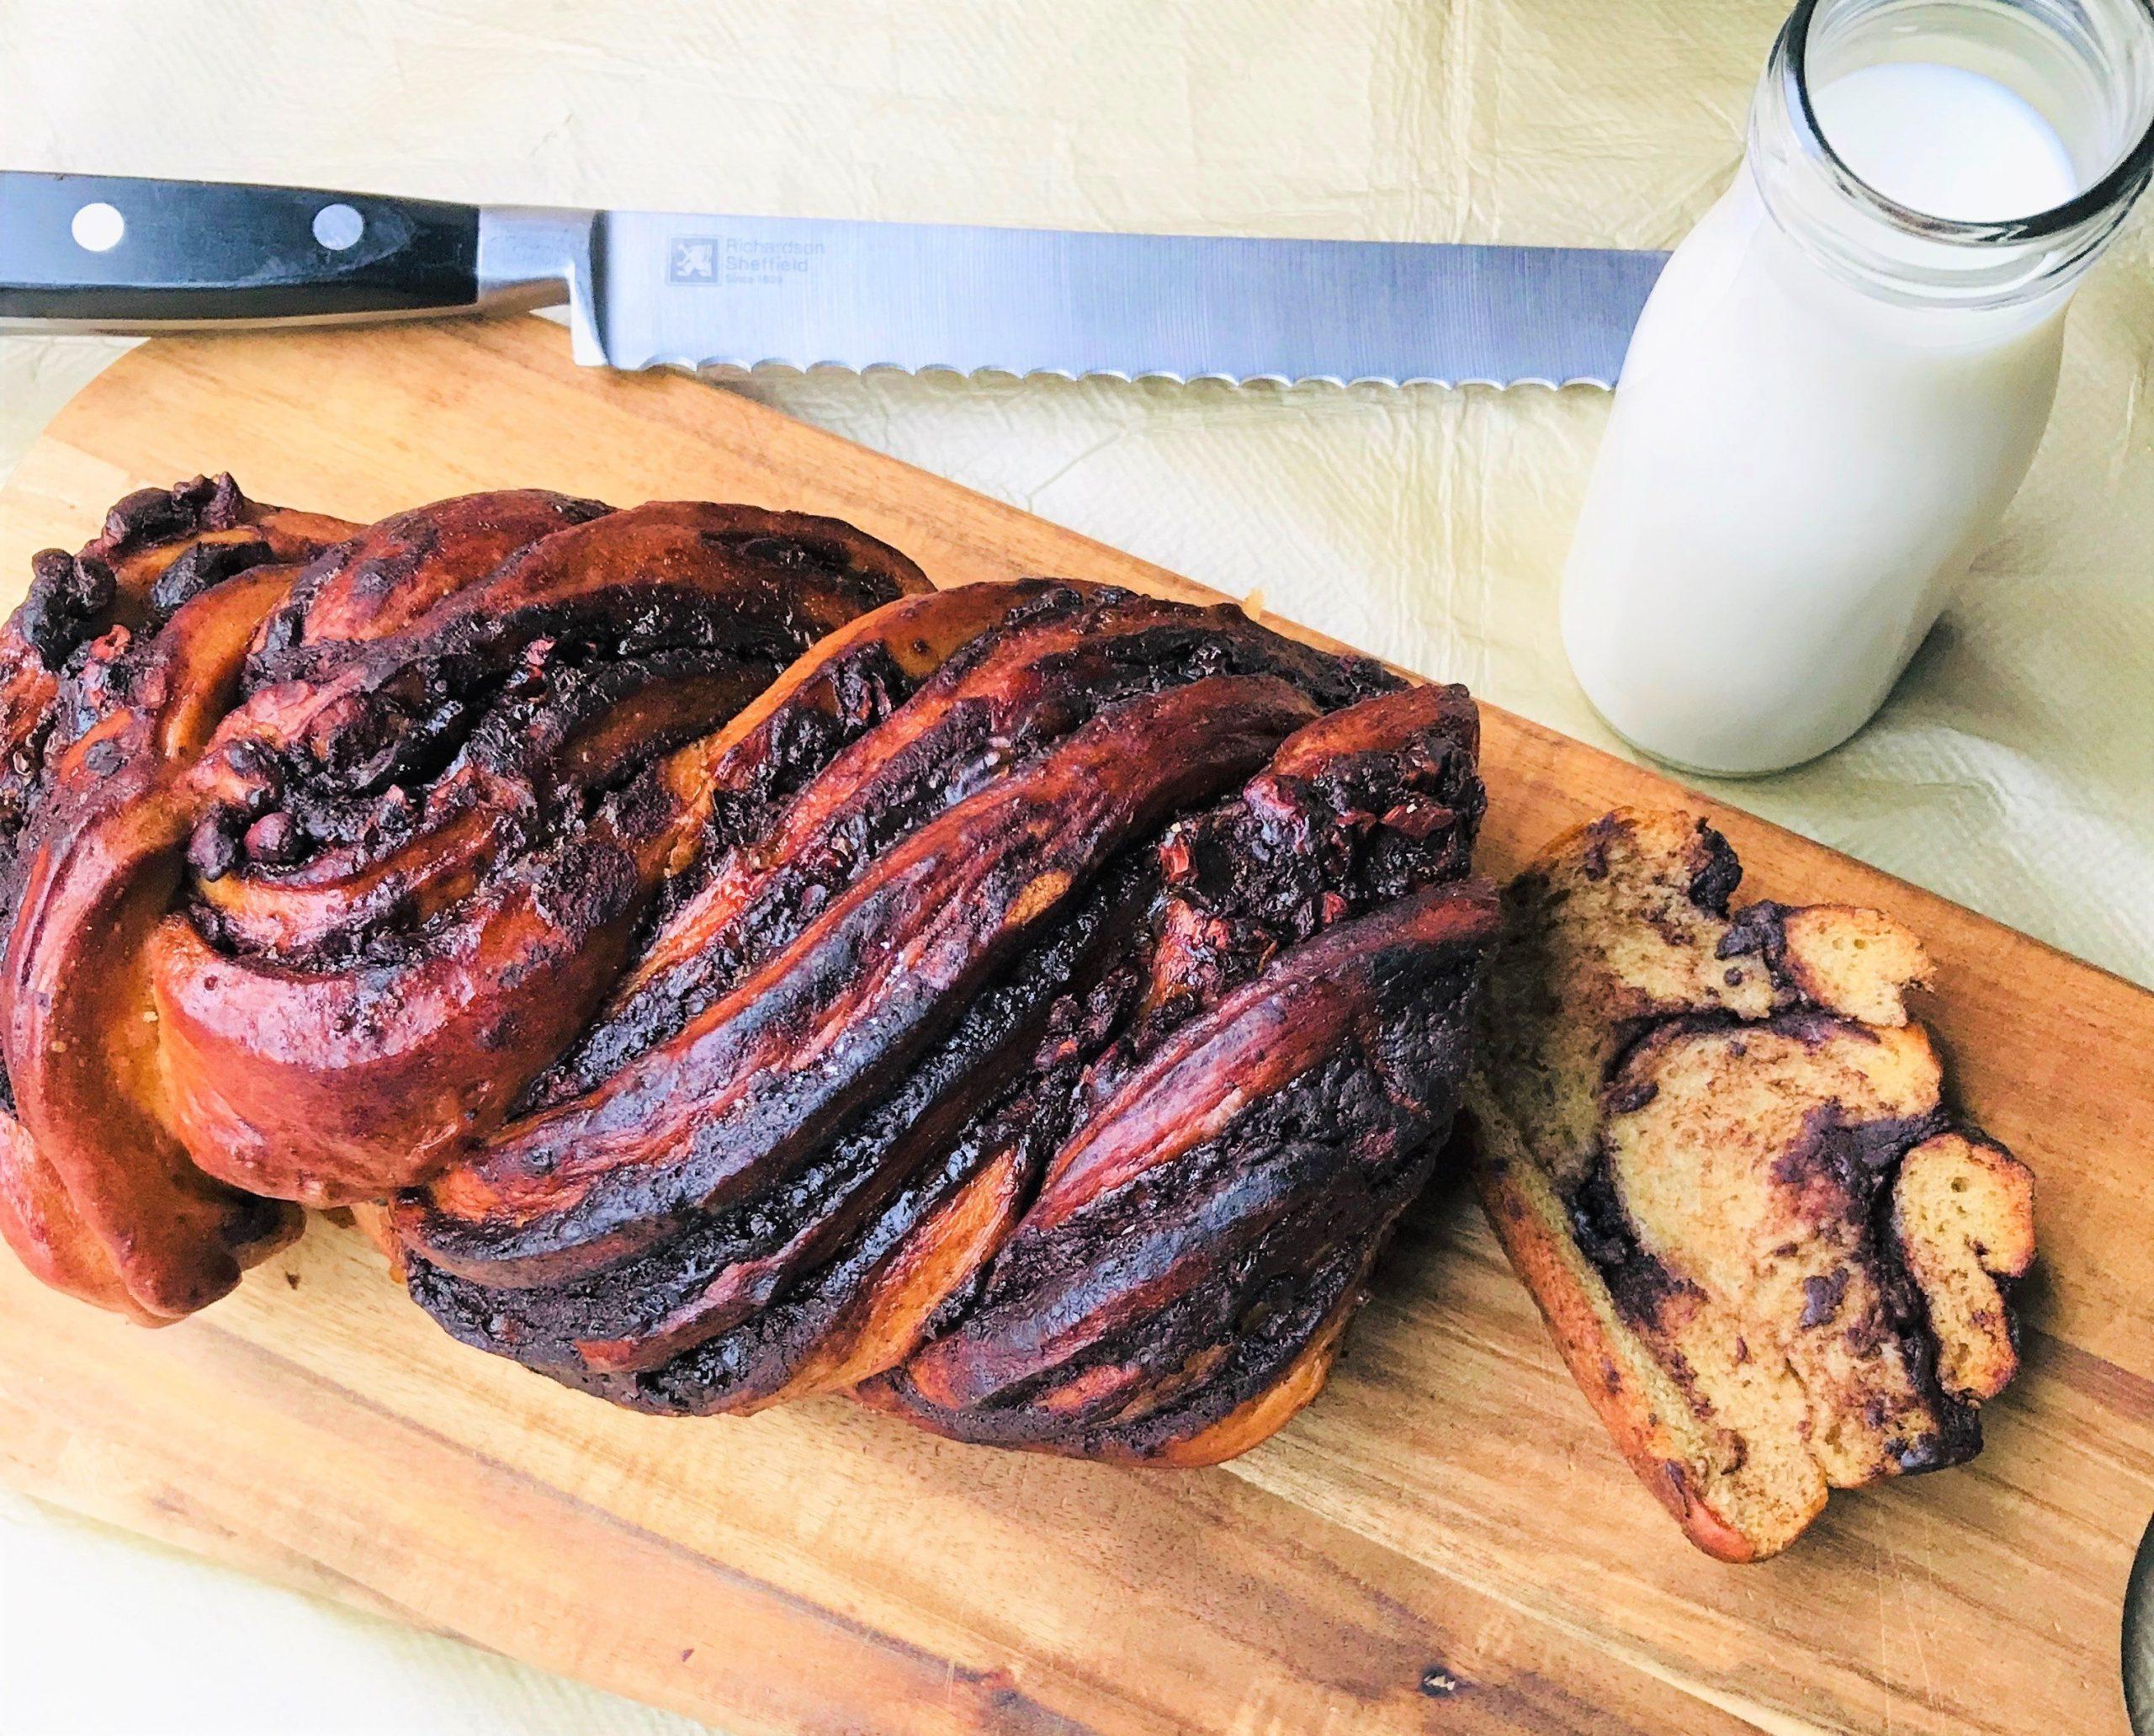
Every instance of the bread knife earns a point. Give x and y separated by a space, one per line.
649 288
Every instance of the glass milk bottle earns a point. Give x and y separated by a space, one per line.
1841 378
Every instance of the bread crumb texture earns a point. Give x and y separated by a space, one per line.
1715 1147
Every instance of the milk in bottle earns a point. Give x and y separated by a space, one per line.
1841 378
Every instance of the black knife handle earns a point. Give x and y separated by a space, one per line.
185 251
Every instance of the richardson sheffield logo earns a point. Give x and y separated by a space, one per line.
692 259
739 262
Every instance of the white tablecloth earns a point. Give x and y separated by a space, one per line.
2011 771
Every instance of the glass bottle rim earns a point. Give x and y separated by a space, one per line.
2116 189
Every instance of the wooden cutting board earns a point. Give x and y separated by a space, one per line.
1445 1542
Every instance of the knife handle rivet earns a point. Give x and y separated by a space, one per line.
338 227
97 228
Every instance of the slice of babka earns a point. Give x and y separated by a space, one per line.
1714 1146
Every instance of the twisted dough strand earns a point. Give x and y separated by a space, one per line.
326 728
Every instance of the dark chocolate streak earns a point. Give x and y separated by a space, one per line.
1639 1284
1139 1305
978 720
805 1043
420 853
1714 884
472 707
864 1191
1862 1159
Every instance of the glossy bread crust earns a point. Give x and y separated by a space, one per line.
1174 878
718 968
110 675
250 749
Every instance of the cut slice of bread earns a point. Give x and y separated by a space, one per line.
1714 1145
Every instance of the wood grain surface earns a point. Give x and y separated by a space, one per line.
1445 1542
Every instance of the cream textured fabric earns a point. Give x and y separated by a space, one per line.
2014 769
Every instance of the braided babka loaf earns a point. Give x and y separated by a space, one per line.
721 968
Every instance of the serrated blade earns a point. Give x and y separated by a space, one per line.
703 291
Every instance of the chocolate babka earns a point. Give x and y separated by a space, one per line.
1715 1148
721 968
